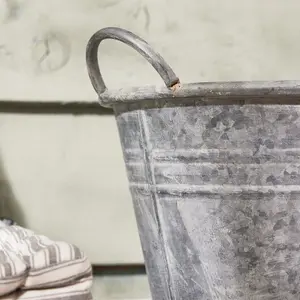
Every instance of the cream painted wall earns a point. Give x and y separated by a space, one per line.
66 173
68 181
202 40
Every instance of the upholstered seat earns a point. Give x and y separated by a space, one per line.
33 266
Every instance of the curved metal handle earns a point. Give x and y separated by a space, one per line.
129 38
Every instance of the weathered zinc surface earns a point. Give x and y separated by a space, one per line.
214 172
216 193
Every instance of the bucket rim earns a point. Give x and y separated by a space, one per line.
202 90
173 89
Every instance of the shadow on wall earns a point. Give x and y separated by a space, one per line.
9 206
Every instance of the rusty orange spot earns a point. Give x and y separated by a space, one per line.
175 87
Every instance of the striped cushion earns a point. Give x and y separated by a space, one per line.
79 291
29 261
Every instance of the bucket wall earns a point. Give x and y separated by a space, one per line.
216 195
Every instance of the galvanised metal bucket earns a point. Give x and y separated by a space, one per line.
214 172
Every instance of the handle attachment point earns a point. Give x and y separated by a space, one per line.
141 46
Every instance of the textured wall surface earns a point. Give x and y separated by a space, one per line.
75 163
230 40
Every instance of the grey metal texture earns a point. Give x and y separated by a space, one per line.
214 172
